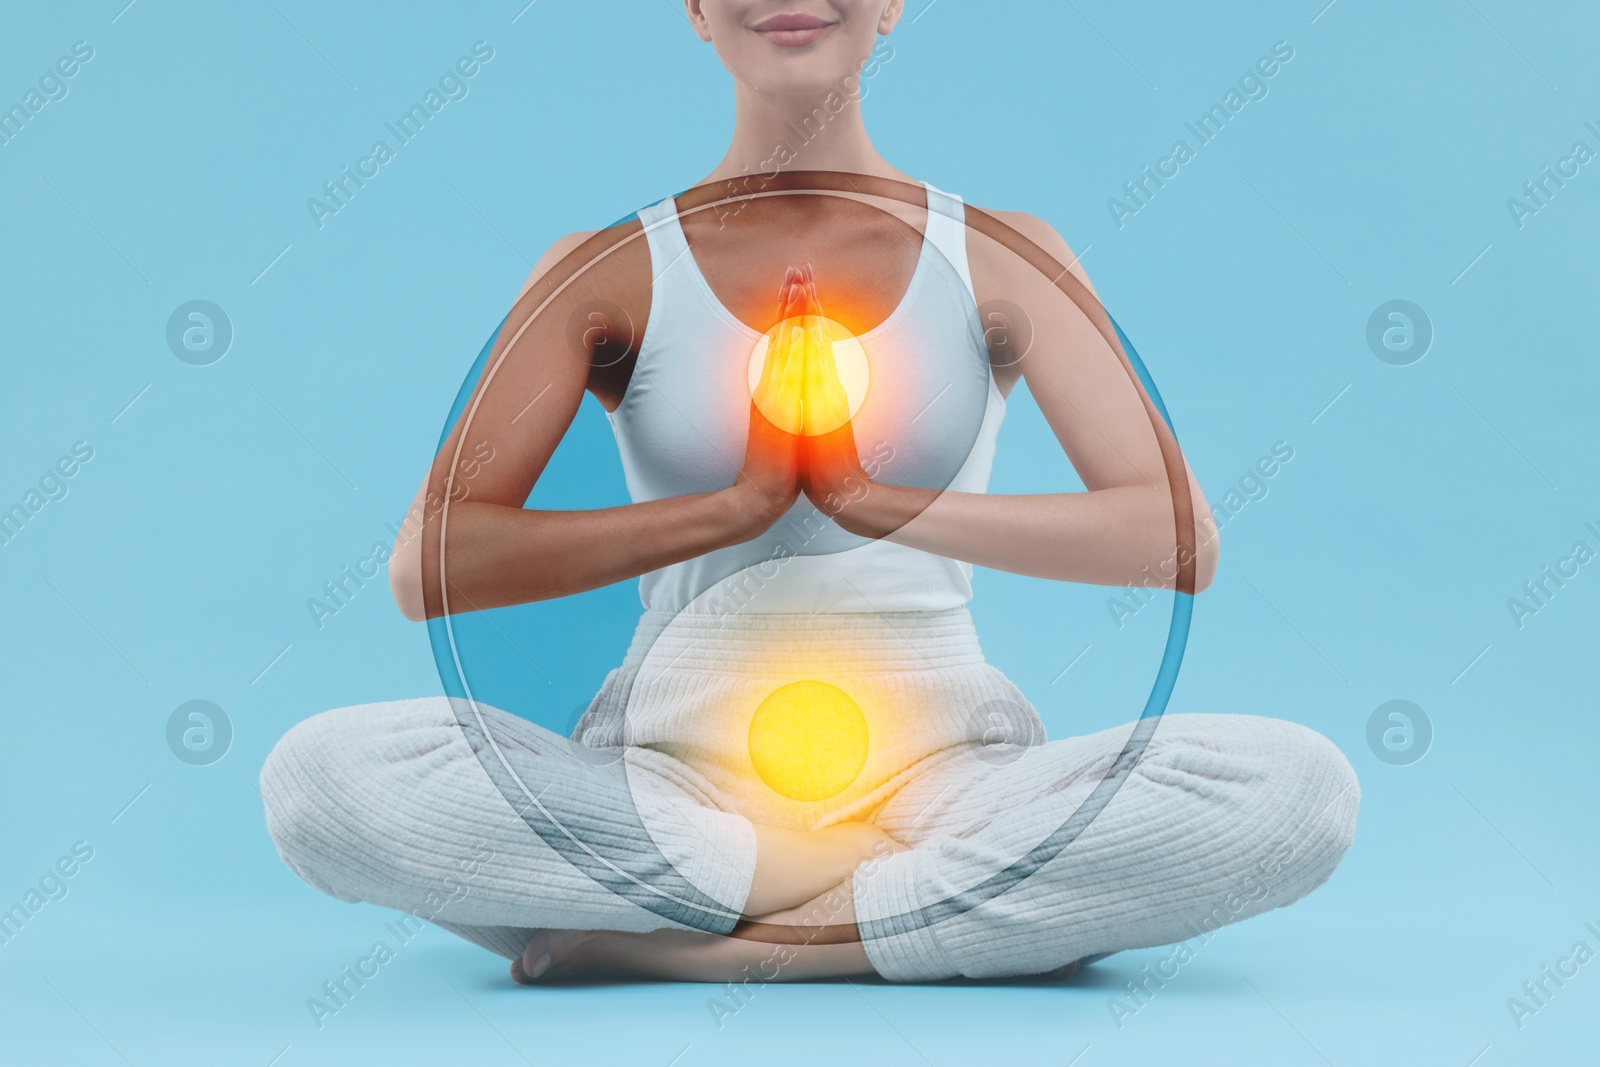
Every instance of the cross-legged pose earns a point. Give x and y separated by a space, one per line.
804 766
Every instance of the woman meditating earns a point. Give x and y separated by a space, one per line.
804 766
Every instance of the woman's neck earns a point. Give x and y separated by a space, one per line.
777 134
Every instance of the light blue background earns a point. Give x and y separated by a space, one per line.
1379 566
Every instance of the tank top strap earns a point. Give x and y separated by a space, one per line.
947 233
665 237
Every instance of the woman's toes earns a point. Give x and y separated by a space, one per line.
535 959
1066 970
555 954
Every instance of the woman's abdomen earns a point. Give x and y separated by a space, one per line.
804 720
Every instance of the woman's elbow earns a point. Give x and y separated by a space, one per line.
1207 553
405 583
1205 567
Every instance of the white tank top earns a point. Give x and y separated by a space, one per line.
929 419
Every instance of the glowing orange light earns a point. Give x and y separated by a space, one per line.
819 381
808 740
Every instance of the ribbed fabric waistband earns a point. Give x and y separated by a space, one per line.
748 643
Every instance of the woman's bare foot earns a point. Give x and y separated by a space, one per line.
552 955
679 955
690 956
802 881
1065 971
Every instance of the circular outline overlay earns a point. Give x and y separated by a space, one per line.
712 915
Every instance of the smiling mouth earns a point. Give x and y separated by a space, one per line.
793 31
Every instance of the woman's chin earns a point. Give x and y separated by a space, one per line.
772 80
813 71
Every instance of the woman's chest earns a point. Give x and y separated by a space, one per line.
921 390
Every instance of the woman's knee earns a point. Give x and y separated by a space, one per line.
1306 796
319 784
1289 794
1330 797
300 773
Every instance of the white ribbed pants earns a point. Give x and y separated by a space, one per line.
491 826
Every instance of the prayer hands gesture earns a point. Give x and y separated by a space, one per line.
800 436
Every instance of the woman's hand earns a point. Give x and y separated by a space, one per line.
826 405
769 483
834 479
800 434
831 473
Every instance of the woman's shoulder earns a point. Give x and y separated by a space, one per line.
1001 256
614 250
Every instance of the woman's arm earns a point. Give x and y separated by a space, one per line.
1117 535
496 552
1119 531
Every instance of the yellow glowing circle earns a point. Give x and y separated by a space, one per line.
850 365
808 740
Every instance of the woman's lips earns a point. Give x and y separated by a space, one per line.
793 31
